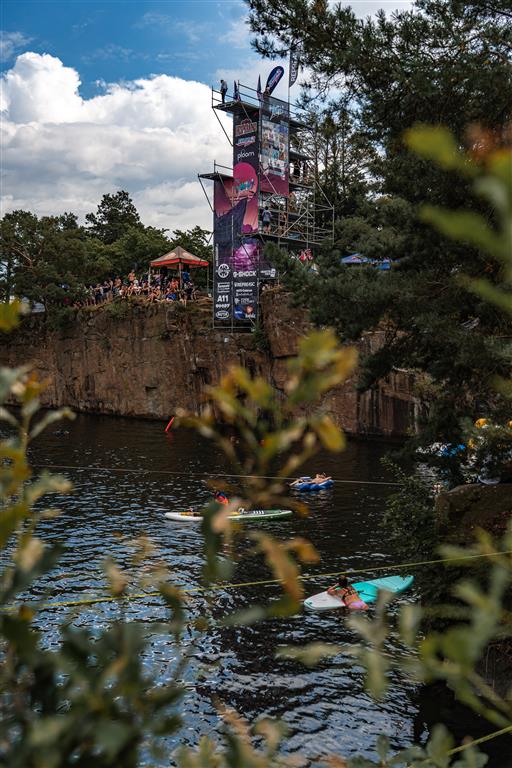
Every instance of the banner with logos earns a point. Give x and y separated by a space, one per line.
294 67
274 147
273 79
236 258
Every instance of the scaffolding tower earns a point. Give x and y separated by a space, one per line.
296 216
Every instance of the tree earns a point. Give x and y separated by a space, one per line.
49 259
136 248
195 240
344 157
115 214
440 62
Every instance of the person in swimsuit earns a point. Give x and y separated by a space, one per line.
299 480
320 478
347 594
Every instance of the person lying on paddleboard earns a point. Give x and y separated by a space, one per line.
300 480
347 594
320 478
317 480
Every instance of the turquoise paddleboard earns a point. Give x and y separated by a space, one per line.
367 590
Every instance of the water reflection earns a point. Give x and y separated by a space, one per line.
325 709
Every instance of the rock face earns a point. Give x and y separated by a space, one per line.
467 507
147 360
389 409
459 513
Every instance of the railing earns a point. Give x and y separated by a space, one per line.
249 97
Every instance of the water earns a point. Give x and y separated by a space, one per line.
326 709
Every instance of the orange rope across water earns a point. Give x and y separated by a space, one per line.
262 582
65 467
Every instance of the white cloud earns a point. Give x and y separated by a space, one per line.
11 43
363 8
170 25
237 34
248 75
149 136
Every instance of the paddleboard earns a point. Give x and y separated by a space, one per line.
253 514
367 590
309 486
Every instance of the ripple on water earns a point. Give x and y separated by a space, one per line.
325 709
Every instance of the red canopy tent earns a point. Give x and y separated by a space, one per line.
178 257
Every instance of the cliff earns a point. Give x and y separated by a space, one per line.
460 513
135 359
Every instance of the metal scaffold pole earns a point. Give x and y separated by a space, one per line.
275 136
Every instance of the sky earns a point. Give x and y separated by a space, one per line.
100 96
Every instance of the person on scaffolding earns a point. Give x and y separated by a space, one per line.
223 90
266 218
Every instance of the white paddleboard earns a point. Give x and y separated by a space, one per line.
253 514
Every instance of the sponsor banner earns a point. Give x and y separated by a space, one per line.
273 79
245 150
274 147
245 295
222 284
294 67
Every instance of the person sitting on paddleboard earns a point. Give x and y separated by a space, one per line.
347 594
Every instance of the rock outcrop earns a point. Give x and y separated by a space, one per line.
147 360
459 513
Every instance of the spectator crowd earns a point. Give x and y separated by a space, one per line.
160 288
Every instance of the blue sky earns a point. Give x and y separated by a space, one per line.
113 41
101 96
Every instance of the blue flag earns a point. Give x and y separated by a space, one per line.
273 79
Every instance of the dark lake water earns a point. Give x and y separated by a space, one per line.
326 709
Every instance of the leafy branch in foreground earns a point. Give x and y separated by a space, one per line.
264 436
92 700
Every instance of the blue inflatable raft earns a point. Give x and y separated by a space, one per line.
308 485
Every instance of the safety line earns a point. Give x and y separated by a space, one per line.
263 582
481 740
199 474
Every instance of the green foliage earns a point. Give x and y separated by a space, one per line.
198 242
195 240
91 701
45 260
54 261
261 339
115 214
261 435
119 309
409 516
440 63
135 248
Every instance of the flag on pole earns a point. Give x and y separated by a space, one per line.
258 89
294 66
236 91
273 79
